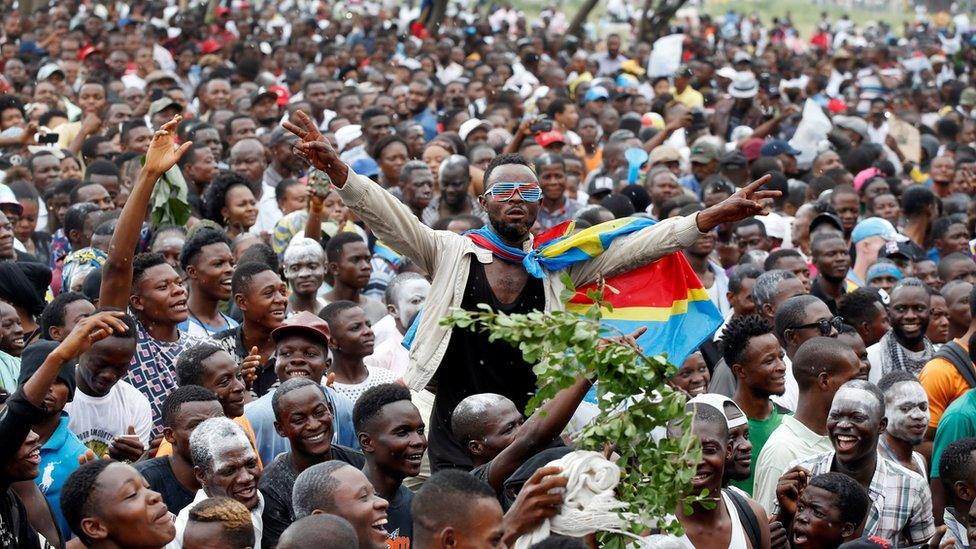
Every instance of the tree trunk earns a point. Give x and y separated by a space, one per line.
576 25
655 25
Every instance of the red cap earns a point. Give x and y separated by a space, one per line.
837 106
86 51
210 46
304 323
221 11
281 92
751 148
544 139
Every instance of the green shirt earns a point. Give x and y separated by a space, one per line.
958 421
759 432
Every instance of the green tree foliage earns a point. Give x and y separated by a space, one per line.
635 399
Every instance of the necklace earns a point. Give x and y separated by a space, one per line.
205 326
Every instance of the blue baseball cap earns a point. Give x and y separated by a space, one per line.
776 147
596 93
366 166
875 226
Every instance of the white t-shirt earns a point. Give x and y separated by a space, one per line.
377 376
98 421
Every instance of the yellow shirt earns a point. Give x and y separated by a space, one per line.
943 384
166 449
690 98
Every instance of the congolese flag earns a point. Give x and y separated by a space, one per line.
666 296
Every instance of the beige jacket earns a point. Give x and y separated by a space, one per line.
447 257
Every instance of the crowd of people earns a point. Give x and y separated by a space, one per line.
229 233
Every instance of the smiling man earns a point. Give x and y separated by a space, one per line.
225 464
209 265
337 488
905 346
465 273
821 367
907 410
901 507
304 266
756 359
391 434
303 415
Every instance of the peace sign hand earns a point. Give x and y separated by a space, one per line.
314 148
747 202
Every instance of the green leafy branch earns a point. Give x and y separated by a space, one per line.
635 400
169 201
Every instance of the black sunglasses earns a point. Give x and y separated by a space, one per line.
824 325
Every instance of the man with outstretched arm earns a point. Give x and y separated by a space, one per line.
465 273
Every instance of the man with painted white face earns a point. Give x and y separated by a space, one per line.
821 367
907 410
405 295
304 267
465 273
905 346
225 464
901 507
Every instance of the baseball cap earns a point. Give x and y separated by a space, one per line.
704 152
544 139
906 250
600 186
49 70
752 148
717 402
366 166
306 324
883 269
968 97
471 125
156 76
8 200
664 153
853 123
281 135
596 93
776 147
741 57
162 104
828 218
263 93
836 106
209 46
733 159
876 226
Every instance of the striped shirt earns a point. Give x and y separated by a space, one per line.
901 505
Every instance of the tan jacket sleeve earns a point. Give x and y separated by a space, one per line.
637 249
390 220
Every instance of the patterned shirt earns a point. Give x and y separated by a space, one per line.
901 505
153 369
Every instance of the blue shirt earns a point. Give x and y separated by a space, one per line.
427 119
691 182
270 443
59 458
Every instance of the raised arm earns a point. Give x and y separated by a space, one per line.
117 272
538 432
672 235
388 218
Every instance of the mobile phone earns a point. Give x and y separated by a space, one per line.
47 138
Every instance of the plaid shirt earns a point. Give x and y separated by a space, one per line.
901 505
153 369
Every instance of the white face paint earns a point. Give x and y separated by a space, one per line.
411 297
227 446
304 265
907 409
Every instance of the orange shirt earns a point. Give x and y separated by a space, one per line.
592 163
166 449
943 384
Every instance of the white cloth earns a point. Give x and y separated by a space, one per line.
268 211
390 355
589 504
385 329
789 398
97 421
377 376
184 516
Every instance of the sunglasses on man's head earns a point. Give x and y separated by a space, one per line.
824 325
505 191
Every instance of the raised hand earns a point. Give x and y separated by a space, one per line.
789 487
90 331
163 153
249 368
746 202
313 146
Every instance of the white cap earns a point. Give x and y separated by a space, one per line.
718 401
8 200
346 135
471 125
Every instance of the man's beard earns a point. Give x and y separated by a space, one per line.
512 232
904 340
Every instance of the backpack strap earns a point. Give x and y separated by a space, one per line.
959 358
746 516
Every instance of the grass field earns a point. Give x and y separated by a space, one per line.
805 13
